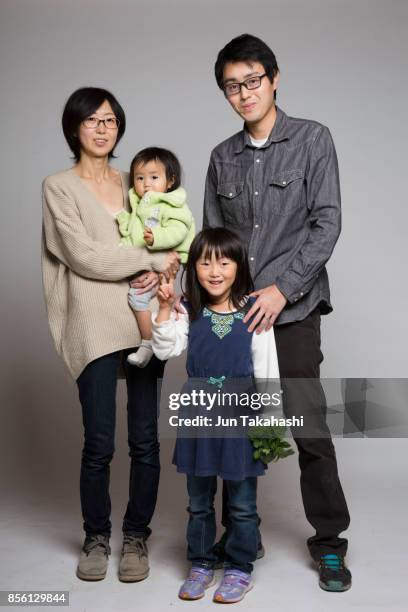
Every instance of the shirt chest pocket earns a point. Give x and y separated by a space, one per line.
231 198
285 191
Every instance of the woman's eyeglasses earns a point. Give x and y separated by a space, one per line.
111 123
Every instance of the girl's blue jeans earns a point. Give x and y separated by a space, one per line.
242 540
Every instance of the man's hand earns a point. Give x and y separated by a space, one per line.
267 308
148 236
145 282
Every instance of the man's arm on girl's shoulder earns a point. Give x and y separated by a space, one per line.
170 337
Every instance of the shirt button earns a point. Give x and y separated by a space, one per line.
252 258
256 192
258 160
257 225
230 194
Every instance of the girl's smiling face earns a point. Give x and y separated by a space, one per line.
216 274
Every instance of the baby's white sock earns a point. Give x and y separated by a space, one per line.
144 354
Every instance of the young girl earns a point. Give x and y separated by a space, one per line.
159 220
219 348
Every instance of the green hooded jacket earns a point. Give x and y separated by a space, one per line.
166 214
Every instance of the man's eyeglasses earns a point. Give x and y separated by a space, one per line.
230 89
111 123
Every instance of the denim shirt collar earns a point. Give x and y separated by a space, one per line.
279 132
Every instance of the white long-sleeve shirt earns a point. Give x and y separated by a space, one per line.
170 339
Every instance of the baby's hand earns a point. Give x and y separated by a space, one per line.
148 236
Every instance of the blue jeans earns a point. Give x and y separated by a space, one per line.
97 393
242 540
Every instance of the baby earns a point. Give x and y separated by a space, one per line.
159 220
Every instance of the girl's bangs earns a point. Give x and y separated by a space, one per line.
220 249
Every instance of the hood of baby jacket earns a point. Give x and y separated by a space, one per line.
176 198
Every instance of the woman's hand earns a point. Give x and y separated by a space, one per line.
172 265
149 281
146 281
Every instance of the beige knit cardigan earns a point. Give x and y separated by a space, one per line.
86 272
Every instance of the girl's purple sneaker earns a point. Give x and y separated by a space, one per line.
197 581
233 587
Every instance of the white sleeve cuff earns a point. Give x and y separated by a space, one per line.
169 338
264 355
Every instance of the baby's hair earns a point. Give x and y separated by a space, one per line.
166 157
223 243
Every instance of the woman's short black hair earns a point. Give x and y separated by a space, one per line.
166 157
80 105
223 243
246 48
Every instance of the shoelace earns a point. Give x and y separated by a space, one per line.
96 541
133 545
332 562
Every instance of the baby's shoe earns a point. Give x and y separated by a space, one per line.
233 587
142 356
197 581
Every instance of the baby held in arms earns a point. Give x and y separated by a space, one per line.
159 220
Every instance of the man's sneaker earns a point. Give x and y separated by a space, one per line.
93 561
219 551
333 574
233 587
134 560
197 581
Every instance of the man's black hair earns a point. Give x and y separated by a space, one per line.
80 105
166 157
246 48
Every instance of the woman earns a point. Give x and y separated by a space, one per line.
86 276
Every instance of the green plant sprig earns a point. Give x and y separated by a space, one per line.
269 443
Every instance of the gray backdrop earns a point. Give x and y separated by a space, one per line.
342 63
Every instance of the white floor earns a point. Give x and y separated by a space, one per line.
40 534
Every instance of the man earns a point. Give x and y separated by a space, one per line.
276 184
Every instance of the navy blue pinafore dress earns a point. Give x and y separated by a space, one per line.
219 350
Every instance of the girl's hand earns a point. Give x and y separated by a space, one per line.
165 293
178 308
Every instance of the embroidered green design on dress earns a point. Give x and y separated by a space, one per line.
216 381
222 323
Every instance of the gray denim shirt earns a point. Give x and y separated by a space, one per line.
283 200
